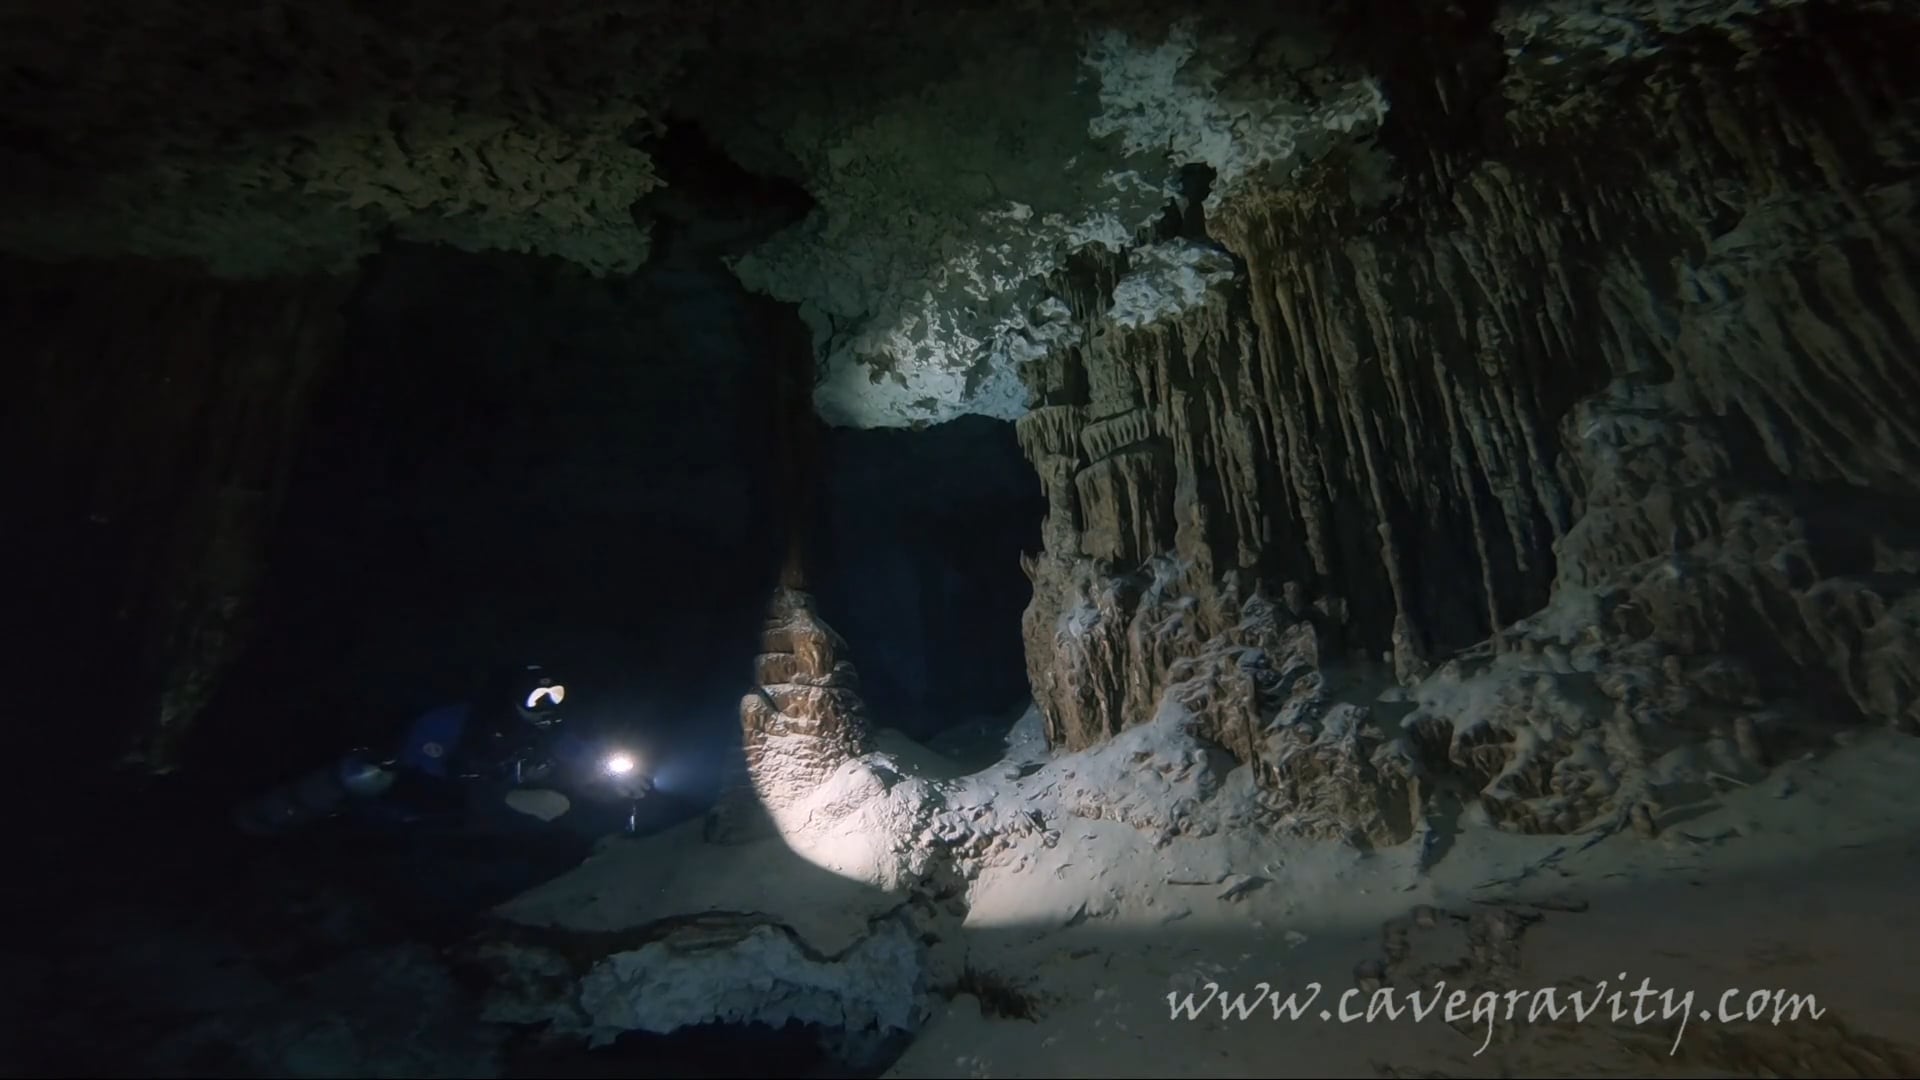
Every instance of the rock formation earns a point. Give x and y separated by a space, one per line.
1626 352
1345 339
799 725
804 718
1477 409
289 139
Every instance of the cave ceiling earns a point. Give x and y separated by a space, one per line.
955 154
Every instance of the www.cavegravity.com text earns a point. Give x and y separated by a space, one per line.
1550 1003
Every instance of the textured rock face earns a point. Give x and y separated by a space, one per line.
1607 377
298 137
800 725
942 211
292 138
1244 675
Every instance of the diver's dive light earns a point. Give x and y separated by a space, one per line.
622 764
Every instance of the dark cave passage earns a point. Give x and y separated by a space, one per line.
919 560
502 460
519 464
515 462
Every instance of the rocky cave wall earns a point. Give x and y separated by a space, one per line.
1619 336
155 425
1351 331
292 137
1537 359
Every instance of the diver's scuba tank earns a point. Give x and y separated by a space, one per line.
316 795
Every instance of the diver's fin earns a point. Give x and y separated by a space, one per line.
538 802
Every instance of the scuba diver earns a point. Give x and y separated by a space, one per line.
512 745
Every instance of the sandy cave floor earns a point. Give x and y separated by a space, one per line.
1809 893
1800 884
1069 935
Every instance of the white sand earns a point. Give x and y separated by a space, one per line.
1801 882
1809 893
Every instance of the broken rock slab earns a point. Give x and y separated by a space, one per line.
670 931
760 973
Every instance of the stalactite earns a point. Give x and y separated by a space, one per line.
1630 322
